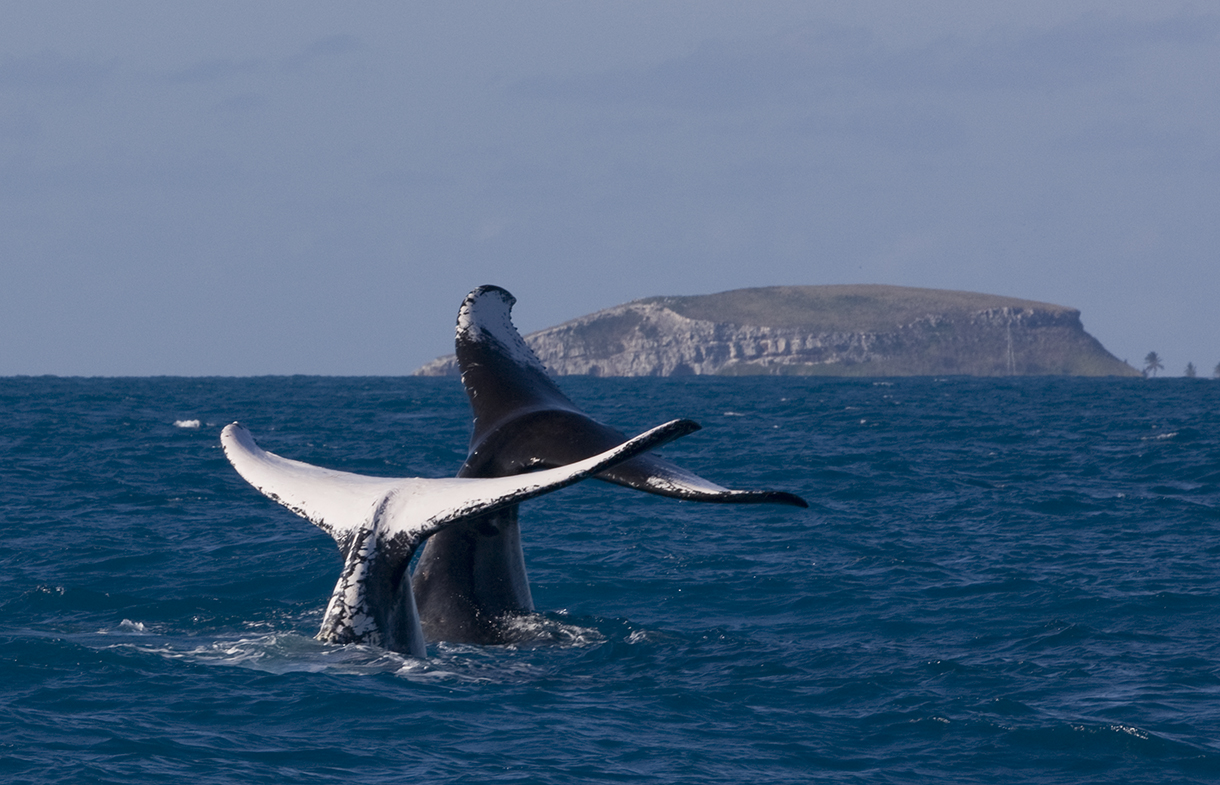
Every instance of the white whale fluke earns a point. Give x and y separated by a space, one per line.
379 522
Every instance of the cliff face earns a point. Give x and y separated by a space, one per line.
824 330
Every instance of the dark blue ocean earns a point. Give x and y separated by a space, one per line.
999 580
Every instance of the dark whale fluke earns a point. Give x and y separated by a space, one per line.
379 522
523 420
473 574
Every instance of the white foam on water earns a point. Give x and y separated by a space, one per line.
283 653
125 627
187 423
538 630
645 636
279 654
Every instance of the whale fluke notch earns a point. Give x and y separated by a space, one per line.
379 522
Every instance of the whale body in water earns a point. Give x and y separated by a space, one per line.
380 522
470 578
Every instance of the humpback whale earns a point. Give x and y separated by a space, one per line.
379 523
471 576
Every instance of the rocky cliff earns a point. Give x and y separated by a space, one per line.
822 330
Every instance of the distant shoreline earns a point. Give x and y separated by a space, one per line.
861 330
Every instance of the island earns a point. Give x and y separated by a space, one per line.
848 330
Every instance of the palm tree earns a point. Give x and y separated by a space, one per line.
1152 364
1190 370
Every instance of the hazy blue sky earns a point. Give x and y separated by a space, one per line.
294 187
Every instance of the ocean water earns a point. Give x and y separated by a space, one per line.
1001 580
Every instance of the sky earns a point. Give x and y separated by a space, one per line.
234 188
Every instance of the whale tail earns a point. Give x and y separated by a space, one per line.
522 420
379 522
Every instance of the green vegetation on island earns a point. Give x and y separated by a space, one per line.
847 308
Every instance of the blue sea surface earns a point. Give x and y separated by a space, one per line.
998 580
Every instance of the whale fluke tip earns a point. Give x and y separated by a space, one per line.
790 499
